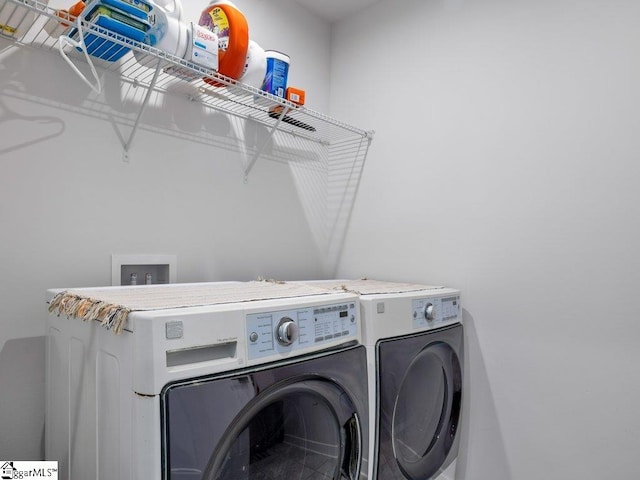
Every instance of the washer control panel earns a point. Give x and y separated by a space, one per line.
284 331
431 312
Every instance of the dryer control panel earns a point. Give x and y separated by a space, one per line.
431 312
285 331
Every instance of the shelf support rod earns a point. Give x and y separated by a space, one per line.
264 144
127 146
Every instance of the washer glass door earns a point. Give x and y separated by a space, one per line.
420 401
298 428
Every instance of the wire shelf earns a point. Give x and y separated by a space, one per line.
326 156
23 21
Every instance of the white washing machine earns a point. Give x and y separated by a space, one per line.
415 348
254 389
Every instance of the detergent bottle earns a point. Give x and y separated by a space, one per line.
230 25
255 68
168 32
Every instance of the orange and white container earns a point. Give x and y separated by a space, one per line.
255 68
230 26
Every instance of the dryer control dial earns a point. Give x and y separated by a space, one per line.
429 311
286 331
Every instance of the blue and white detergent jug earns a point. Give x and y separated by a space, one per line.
167 31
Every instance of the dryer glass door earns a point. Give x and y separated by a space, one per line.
296 430
302 427
420 401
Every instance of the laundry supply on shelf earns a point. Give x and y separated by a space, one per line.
254 70
275 80
56 27
295 95
202 50
167 32
230 25
203 47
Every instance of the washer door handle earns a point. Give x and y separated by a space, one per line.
353 442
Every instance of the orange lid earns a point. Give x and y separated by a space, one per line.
71 14
77 8
232 29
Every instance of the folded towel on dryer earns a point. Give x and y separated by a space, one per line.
111 306
364 286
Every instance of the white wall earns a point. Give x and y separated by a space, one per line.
505 163
68 201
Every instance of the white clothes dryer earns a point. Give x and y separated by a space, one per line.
261 381
415 348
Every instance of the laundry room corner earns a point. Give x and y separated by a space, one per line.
505 165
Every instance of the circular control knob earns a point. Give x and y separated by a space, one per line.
287 331
429 311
